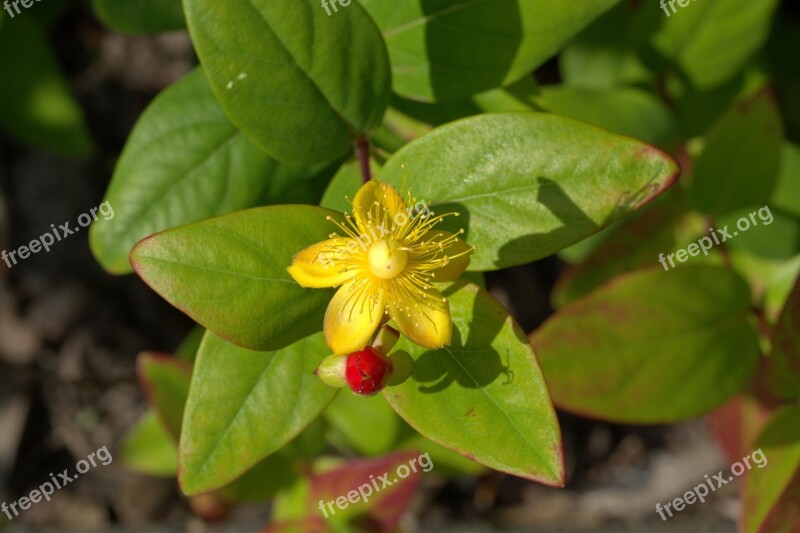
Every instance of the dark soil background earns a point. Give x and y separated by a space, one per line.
70 333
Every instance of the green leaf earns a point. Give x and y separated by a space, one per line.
771 491
187 350
367 425
601 59
487 382
443 49
767 233
165 381
299 82
635 244
37 106
229 273
263 481
627 111
696 111
786 196
344 185
784 361
529 184
740 164
448 462
521 96
245 405
651 346
150 449
140 16
184 162
711 41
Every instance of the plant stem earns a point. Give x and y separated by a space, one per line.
363 159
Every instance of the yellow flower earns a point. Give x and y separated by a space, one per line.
385 263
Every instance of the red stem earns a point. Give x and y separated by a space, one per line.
363 159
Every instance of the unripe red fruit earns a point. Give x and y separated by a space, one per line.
367 372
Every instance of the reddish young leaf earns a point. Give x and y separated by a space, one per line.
368 491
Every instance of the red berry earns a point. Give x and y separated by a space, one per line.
367 372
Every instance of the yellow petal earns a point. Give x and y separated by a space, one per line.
377 204
322 265
353 315
427 322
457 250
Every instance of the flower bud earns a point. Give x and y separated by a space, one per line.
331 371
367 372
385 340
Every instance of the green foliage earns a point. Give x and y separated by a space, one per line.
486 383
36 104
442 50
700 346
521 196
245 405
741 160
266 309
185 162
149 448
770 498
441 96
298 81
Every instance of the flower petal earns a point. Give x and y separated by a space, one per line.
322 265
427 322
353 315
368 215
456 249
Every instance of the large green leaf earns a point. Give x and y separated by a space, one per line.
184 162
784 362
771 492
300 82
741 161
229 273
529 184
245 405
446 49
712 40
36 104
487 382
651 346
140 16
